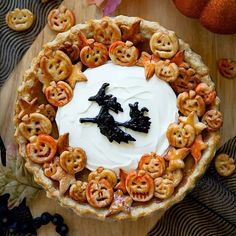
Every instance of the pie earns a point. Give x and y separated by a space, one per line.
117 125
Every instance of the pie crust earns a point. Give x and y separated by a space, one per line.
31 88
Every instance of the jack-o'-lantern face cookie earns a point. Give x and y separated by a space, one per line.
58 94
48 111
227 68
124 54
106 32
61 19
101 173
73 160
19 19
164 188
167 71
187 80
213 120
99 193
140 186
180 135
208 94
50 168
43 149
224 164
56 65
175 176
35 124
190 101
164 44
78 191
153 164
93 55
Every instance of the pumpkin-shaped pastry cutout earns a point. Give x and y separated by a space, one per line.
123 53
48 111
175 176
42 150
73 160
227 67
50 168
19 19
206 92
58 94
35 124
106 32
140 186
191 101
213 120
99 193
101 173
166 70
94 55
61 19
164 188
180 135
153 164
78 191
56 65
224 164
164 44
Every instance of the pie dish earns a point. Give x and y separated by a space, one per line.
72 110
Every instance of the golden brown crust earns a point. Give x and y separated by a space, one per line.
30 82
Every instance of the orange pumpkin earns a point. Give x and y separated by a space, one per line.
218 16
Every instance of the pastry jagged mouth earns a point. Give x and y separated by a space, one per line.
140 195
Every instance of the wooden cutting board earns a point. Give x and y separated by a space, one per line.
209 45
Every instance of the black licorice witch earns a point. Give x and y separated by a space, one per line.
106 122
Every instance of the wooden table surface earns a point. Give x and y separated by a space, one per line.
209 45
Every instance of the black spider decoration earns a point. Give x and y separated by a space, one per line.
106 122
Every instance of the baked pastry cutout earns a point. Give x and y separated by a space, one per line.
78 191
19 19
164 188
61 19
213 120
227 67
224 164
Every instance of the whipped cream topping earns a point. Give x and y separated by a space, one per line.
129 85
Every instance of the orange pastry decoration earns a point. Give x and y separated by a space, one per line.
148 62
99 193
63 143
19 19
73 160
187 79
120 203
48 111
227 67
164 44
208 94
123 53
78 191
197 148
106 32
101 173
43 149
132 32
192 119
61 19
35 124
178 59
180 135
54 171
140 186
176 157
224 164
153 164
55 65
191 101
94 55
166 70
76 76
58 94
164 188
121 184
76 41
27 107
175 176
213 120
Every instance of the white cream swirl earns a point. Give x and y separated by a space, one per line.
129 85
